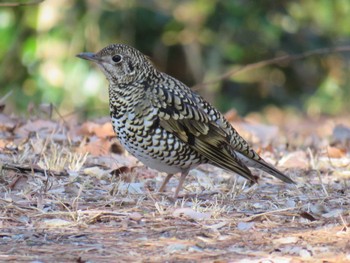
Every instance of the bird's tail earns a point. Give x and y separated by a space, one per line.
266 167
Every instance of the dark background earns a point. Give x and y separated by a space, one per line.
195 41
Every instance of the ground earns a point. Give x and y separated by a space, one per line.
69 193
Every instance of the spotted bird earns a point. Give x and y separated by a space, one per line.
166 125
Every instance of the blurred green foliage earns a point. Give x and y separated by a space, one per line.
193 40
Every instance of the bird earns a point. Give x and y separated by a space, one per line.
166 125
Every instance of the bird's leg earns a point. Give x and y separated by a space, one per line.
166 180
182 179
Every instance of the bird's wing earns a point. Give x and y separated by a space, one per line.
241 148
180 114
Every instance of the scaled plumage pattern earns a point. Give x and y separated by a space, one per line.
165 124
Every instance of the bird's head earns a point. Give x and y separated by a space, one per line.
120 63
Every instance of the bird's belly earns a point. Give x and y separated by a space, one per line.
159 165
157 148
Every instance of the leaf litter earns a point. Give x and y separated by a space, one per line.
70 192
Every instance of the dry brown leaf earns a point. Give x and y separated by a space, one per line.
96 146
335 152
42 127
100 130
296 159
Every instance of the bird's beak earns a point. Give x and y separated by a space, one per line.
89 56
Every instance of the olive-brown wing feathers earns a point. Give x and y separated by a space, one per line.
193 126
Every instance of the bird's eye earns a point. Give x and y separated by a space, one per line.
117 58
